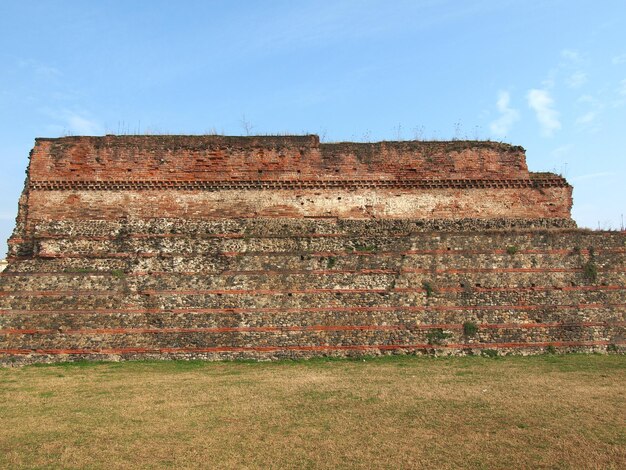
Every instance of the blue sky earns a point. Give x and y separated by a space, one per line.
547 75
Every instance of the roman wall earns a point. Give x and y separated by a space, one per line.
200 177
366 203
281 247
272 288
289 158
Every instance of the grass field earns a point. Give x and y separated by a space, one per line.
395 412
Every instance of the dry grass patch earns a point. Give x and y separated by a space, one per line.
396 412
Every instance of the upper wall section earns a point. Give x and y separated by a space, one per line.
212 177
268 158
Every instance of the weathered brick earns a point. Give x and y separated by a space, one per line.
267 247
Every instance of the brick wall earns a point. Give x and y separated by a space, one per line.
212 176
185 158
269 247
357 204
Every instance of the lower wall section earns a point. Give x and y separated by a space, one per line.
288 289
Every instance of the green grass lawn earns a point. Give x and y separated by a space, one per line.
393 412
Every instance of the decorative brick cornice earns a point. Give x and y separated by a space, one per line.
141 185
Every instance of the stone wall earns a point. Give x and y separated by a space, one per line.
270 288
212 261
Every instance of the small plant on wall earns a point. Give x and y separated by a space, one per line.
470 328
550 349
437 336
590 271
429 288
364 248
118 273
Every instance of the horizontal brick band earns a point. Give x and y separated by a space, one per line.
48 293
184 236
232 311
271 329
217 185
205 236
275 349
159 254
315 272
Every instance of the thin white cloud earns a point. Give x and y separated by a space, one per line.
619 100
594 109
562 151
83 126
589 99
571 69
586 118
550 81
542 104
73 122
571 55
40 68
508 116
577 79
619 59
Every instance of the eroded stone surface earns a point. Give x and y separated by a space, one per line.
271 247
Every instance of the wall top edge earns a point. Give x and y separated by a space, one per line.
307 141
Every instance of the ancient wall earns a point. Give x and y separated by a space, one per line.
441 203
107 178
217 158
284 288
447 247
